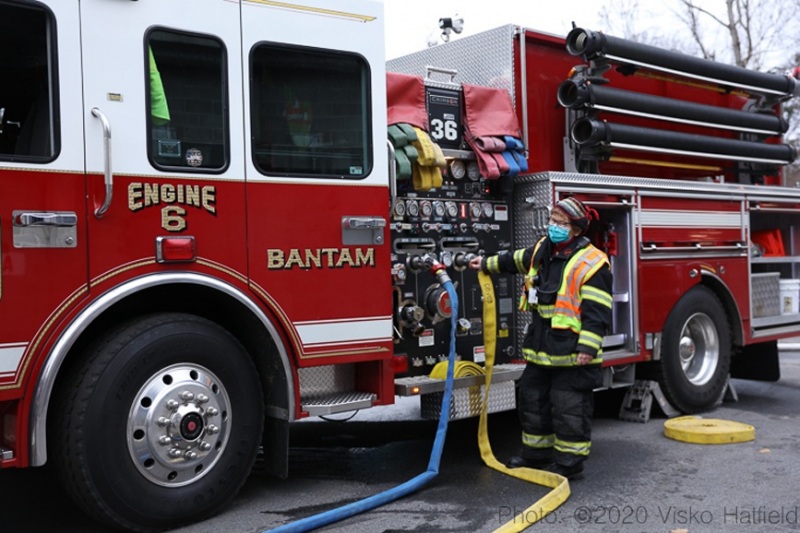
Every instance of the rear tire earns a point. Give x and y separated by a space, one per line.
160 423
695 352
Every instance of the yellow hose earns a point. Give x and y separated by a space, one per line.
559 484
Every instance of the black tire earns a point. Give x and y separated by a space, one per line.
111 413
695 352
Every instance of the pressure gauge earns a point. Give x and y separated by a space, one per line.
400 209
452 209
475 209
412 208
446 258
473 171
438 209
458 169
488 209
426 208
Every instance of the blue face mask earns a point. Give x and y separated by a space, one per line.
557 234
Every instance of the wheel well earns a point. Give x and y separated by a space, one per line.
729 306
214 305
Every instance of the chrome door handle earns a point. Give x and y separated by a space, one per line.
63 220
109 178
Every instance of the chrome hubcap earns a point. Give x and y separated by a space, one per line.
179 425
698 349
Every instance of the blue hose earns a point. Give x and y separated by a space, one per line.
412 485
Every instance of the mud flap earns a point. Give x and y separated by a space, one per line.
758 362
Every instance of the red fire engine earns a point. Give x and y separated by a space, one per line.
205 235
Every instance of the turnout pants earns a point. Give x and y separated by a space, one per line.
556 405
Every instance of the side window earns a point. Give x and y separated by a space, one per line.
310 112
28 101
187 102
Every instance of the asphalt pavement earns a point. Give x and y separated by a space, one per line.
636 479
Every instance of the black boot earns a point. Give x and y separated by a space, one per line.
569 472
519 461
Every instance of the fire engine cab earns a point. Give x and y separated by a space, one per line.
218 217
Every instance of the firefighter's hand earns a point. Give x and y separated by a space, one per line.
475 263
584 359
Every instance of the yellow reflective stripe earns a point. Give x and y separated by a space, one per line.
493 264
538 441
596 295
575 448
587 338
541 358
520 266
546 311
561 321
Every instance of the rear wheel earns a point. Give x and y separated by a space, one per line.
695 352
160 424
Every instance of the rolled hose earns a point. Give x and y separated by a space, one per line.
414 484
577 94
591 132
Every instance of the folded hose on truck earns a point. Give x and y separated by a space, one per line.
414 484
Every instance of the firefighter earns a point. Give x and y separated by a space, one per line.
568 290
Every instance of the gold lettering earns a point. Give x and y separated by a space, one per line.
295 259
329 252
367 258
168 193
320 258
274 259
313 258
172 218
150 194
193 195
210 198
135 196
180 194
344 258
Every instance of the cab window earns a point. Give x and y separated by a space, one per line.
187 102
310 112
28 101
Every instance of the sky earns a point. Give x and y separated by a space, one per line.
410 23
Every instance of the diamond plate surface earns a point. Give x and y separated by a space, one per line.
320 380
466 403
494 69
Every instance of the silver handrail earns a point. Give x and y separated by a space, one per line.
109 178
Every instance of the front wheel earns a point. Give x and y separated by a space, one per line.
695 352
160 424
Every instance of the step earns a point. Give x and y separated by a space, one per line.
337 402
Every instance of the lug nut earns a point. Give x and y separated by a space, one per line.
187 396
175 453
162 421
212 411
212 429
202 398
172 404
164 440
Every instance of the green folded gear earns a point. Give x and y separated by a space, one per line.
397 136
409 130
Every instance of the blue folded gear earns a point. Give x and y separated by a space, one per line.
513 165
512 143
517 152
